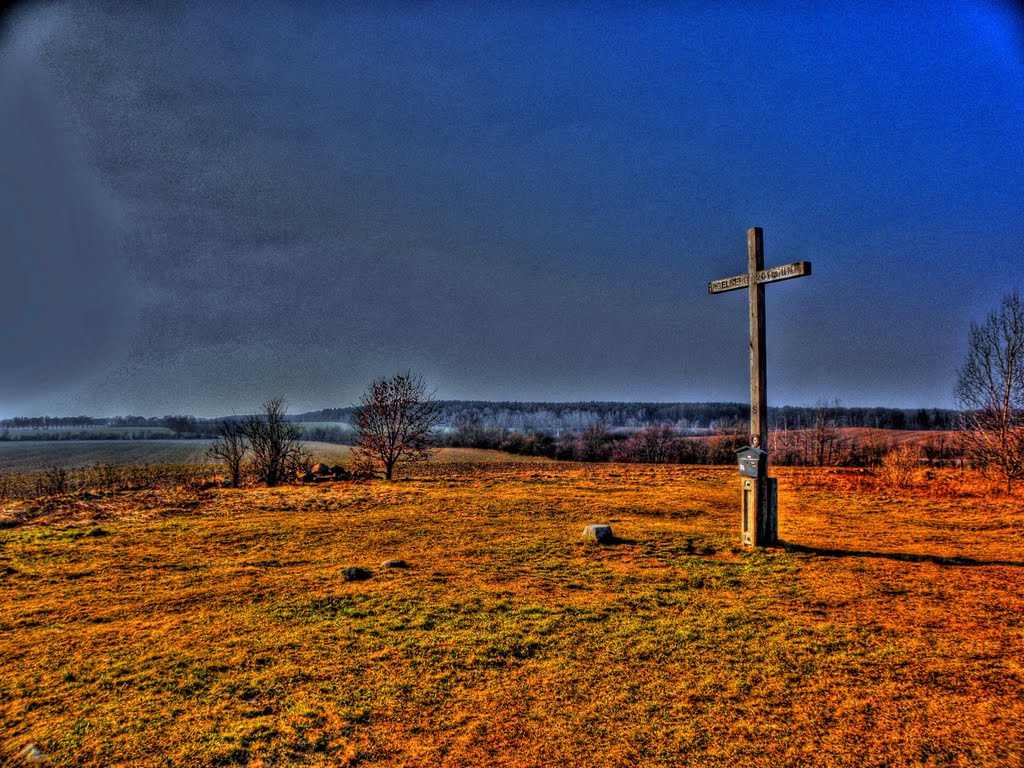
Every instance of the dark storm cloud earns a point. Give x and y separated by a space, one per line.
528 203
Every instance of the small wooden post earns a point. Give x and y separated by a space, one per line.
759 517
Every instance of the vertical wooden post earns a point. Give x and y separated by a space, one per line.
758 357
761 531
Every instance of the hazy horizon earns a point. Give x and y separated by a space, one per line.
292 411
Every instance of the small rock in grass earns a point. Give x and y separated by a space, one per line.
394 564
355 574
599 534
32 754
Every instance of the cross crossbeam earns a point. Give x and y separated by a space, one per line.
773 275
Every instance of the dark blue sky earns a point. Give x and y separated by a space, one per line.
207 205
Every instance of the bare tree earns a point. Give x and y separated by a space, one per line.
594 443
824 434
274 445
394 421
655 444
229 449
990 393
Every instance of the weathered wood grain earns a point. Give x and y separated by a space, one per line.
773 275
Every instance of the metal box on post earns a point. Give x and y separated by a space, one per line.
751 461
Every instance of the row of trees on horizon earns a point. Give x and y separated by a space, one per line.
821 444
553 419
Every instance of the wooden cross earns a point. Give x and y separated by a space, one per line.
759 523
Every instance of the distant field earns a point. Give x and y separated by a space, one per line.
37 455
42 454
897 436
56 433
175 627
34 455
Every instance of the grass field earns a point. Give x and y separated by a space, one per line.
35 455
215 628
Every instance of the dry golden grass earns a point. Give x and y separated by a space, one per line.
215 628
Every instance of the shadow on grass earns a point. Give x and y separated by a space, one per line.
616 541
900 556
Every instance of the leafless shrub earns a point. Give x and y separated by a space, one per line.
230 449
109 478
872 448
52 482
899 466
106 477
274 445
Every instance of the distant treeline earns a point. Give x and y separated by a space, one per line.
678 433
824 444
685 433
555 419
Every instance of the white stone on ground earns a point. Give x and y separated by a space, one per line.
599 534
